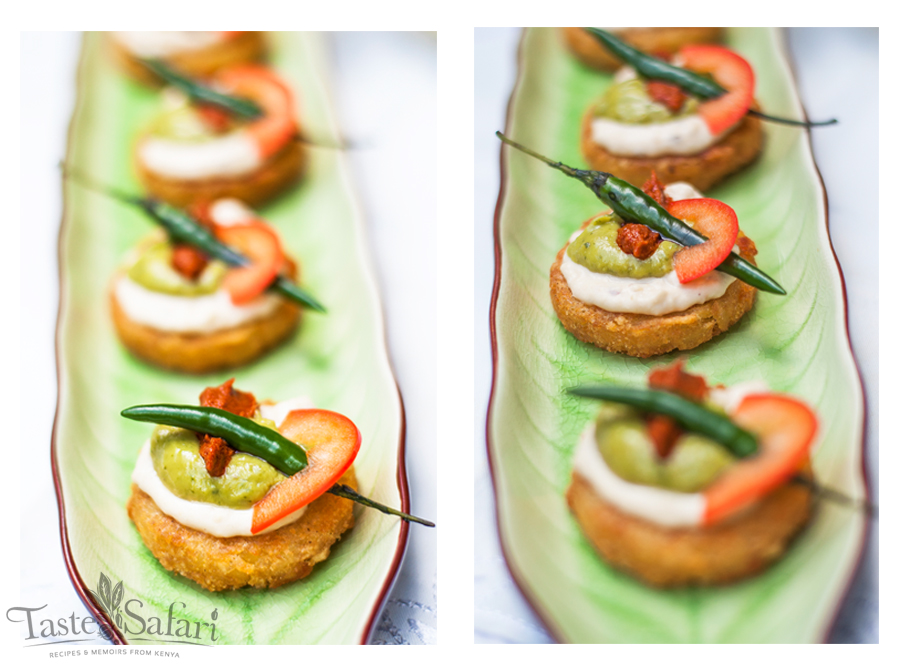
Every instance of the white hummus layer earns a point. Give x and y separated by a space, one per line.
688 135
162 44
682 136
219 521
657 505
188 314
649 295
229 156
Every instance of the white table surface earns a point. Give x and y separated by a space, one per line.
837 72
385 91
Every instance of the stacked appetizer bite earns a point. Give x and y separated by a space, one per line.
684 484
238 493
665 269
197 53
235 493
618 285
672 118
233 135
660 41
215 290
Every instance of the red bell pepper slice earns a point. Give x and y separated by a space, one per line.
331 441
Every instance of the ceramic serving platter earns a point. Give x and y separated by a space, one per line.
338 359
797 344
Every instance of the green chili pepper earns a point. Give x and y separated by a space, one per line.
689 415
690 82
247 435
239 106
240 432
203 94
183 228
632 204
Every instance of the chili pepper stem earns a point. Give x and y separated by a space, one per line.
788 121
317 143
835 495
590 178
91 184
347 492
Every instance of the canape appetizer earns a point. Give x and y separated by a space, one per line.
687 484
236 493
213 291
660 41
657 117
196 53
665 269
235 135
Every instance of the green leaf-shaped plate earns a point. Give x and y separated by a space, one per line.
797 344
338 359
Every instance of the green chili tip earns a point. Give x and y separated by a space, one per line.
689 415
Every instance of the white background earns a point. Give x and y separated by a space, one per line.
33 212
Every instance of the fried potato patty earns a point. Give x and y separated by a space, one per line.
650 335
266 560
243 48
734 151
277 174
206 352
666 557
655 41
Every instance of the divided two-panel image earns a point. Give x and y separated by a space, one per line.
234 272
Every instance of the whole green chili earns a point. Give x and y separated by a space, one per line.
242 107
240 432
203 94
633 205
248 436
689 415
690 82
183 228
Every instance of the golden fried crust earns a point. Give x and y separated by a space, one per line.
655 41
266 560
243 48
206 352
278 173
734 151
649 335
666 557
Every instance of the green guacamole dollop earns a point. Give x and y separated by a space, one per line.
596 249
622 440
175 453
153 270
182 123
628 102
